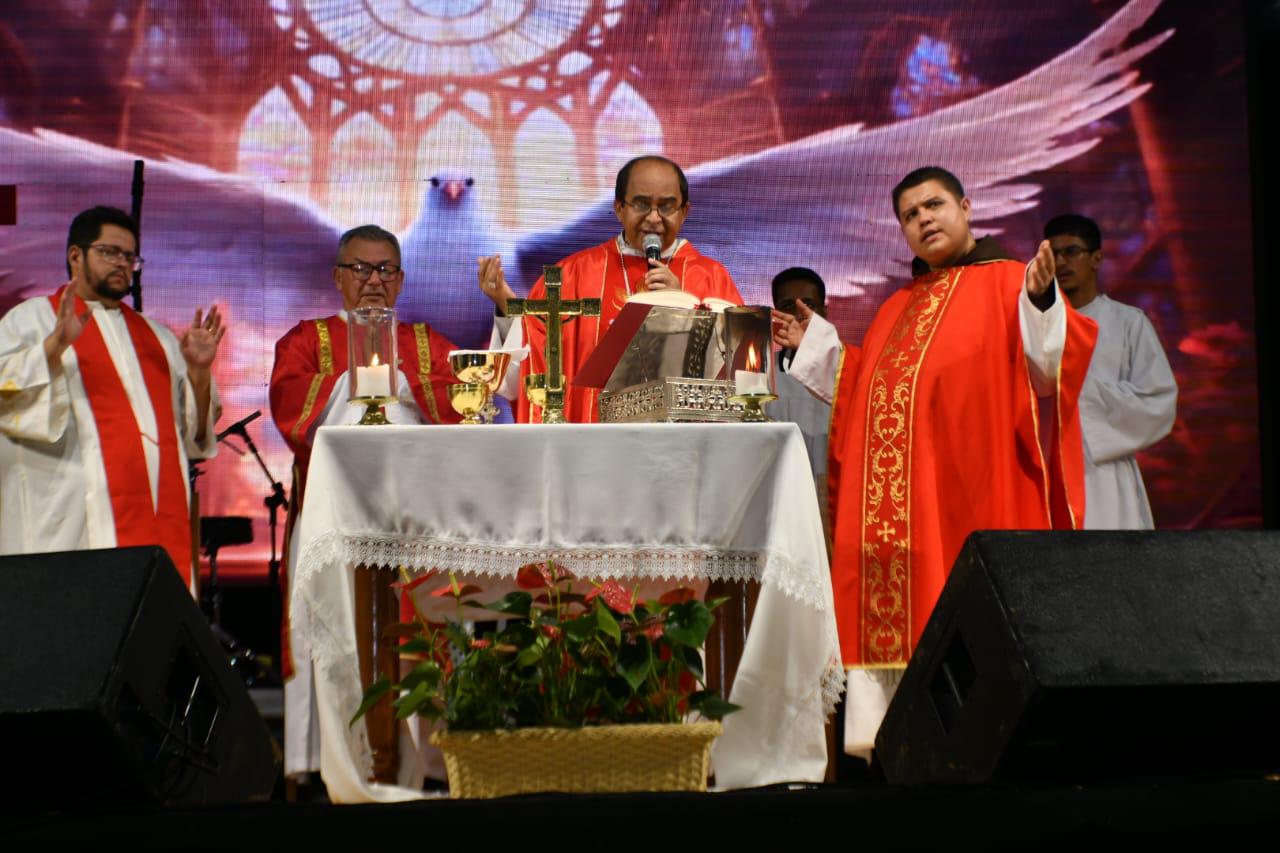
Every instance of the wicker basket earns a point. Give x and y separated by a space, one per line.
655 757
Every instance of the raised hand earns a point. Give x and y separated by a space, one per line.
200 340
493 283
1040 272
66 329
788 329
660 277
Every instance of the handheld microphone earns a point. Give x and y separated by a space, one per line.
237 428
652 246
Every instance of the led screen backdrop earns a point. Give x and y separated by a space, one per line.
479 126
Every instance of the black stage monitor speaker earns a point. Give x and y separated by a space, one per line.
114 690
1094 655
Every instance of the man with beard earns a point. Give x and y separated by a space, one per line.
100 407
651 197
957 413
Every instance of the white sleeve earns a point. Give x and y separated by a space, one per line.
508 334
34 403
1122 417
1044 336
817 359
208 448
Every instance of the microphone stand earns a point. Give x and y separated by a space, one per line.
274 502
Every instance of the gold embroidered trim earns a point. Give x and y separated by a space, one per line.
423 339
886 519
326 369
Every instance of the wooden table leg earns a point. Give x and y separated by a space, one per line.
376 608
729 635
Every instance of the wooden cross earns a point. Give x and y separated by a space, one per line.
550 395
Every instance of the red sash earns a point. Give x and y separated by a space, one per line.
137 522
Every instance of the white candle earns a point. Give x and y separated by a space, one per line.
373 381
750 382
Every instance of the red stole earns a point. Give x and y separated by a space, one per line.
137 521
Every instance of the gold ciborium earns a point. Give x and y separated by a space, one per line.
467 399
535 388
481 367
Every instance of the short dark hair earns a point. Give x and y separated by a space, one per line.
624 178
799 274
927 173
372 233
1075 225
86 228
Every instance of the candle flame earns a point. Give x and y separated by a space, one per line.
375 362
753 360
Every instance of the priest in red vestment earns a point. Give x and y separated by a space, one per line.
651 196
958 413
309 390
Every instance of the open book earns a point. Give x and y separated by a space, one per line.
678 299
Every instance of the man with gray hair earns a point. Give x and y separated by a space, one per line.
309 390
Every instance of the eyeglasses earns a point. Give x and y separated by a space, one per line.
362 271
114 255
1070 253
643 208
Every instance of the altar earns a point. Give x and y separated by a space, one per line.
674 503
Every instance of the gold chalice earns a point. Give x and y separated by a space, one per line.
535 388
485 367
467 398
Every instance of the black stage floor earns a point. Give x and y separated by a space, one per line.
1219 812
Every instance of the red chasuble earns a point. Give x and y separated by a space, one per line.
935 434
138 520
312 356
310 359
603 273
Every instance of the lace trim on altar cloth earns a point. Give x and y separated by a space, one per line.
323 618
798 581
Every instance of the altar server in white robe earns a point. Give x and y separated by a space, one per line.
1129 397
100 407
795 402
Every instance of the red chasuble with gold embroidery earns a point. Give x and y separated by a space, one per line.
310 359
935 434
603 273
312 356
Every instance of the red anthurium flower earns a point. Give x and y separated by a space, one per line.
480 643
463 589
614 594
677 596
687 684
551 631
664 653
533 576
415 583
654 632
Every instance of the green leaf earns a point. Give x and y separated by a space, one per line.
418 645
424 673
528 656
608 625
582 627
516 603
692 660
458 636
688 623
408 704
713 603
709 704
635 662
375 692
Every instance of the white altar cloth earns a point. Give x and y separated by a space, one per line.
630 501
